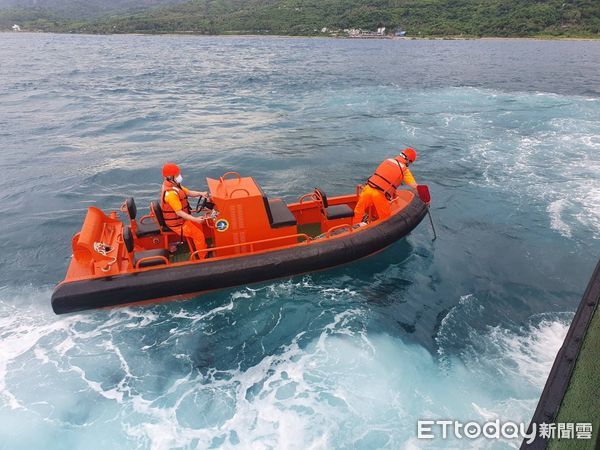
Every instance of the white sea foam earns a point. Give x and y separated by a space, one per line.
199 317
552 160
530 355
322 395
507 368
343 388
555 209
21 334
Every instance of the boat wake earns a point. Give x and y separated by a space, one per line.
148 376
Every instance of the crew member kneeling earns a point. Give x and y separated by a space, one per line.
381 186
176 207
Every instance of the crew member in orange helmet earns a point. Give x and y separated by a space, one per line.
381 186
176 207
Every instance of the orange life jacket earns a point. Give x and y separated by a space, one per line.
388 176
172 220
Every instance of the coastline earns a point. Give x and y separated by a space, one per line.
296 36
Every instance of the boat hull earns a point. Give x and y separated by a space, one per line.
209 275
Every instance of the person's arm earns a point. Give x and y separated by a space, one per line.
191 193
173 200
197 194
186 216
409 179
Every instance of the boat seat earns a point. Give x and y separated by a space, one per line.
338 212
157 210
147 229
334 212
145 258
142 228
279 213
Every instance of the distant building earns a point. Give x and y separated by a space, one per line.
16 27
357 33
324 30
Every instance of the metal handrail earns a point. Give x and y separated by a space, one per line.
305 196
222 177
250 244
151 258
148 217
239 189
339 227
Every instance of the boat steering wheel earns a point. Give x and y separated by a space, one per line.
201 204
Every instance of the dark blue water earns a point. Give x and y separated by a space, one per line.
467 326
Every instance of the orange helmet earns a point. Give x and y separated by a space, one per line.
170 170
409 154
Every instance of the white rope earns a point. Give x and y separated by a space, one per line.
104 249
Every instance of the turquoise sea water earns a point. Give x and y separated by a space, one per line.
466 327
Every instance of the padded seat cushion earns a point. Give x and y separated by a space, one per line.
338 212
279 214
147 229
151 262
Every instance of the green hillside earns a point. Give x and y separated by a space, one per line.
308 17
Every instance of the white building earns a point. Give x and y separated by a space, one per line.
16 27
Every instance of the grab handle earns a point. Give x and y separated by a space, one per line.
239 189
224 176
339 227
310 195
151 258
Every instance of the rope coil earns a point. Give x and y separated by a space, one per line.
104 249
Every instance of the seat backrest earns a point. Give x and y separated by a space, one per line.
266 203
157 210
131 208
128 238
323 196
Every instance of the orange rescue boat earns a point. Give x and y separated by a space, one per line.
251 237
